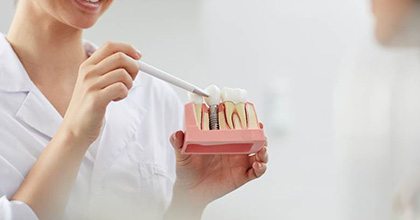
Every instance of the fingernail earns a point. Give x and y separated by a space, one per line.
255 165
179 134
264 149
138 54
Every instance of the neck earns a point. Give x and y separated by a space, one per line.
45 45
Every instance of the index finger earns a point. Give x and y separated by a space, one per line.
110 48
262 155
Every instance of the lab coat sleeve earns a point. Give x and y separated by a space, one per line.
15 210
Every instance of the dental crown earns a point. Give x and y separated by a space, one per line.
234 95
214 95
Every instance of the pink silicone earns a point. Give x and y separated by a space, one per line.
197 141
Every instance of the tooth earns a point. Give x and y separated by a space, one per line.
234 100
229 110
222 118
236 121
251 116
198 103
214 95
226 94
205 121
229 106
213 101
240 106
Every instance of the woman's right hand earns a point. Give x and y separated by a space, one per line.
104 77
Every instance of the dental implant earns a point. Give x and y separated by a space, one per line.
213 102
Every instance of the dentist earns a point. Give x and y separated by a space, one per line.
84 135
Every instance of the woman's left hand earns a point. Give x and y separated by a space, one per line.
202 179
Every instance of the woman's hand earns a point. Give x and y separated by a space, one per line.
105 76
202 179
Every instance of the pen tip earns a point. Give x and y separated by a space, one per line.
200 92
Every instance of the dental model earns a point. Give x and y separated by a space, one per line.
225 123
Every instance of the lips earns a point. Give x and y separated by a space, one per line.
88 6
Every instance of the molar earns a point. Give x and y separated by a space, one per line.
205 119
234 101
251 115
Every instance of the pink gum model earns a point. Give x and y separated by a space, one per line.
231 141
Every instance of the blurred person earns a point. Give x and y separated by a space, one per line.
85 135
378 118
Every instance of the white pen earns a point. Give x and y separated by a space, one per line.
160 74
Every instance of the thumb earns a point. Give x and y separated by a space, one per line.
177 141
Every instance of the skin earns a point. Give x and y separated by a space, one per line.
205 178
388 16
80 88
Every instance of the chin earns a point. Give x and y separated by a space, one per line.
82 15
78 20
82 23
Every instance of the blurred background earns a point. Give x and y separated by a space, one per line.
287 54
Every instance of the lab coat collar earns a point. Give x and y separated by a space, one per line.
13 77
35 111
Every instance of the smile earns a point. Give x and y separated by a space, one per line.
89 6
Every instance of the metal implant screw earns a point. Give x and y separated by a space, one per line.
214 117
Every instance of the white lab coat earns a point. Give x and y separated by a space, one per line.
378 129
127 173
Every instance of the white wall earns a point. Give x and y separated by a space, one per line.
288 48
